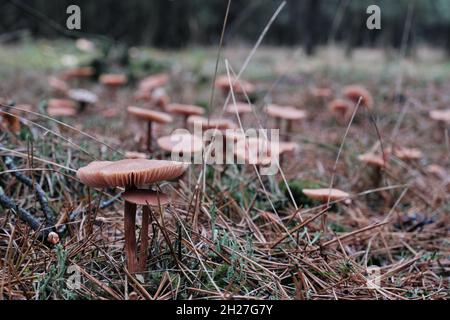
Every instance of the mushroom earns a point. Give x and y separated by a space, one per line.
113 81
341 109
378 163
325 194
83 97
256 151
149 116
185 110
61 108
58 85
354 92
443 119
135 155
321 93
152 82
181 144
132 174
239 87
290 114
404 153
219 123
78 73
12 120
239 108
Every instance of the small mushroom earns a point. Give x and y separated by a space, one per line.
239 87
181 144
152 82
185 110
325 194
78 73
290 114
150 116
341 109
58 85
132 174
404 153
442 117
219 123
239 108
83 97
377 162
61 108
113 81
355 92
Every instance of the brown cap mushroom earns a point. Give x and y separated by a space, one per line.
325 193
340 108
149 116
239 108
146 197
221 124
185 110
354 92
58 85
290 114
239 86
131 173
408 153
152 82
181 143
440 115
113 80
80 72
61 108
372 159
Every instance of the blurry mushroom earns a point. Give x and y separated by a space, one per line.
150 116
58 85
131 174
321 93
78 73
239 87
135 155
341 109
181 144
221 124
113 81
152 82
239 108
377 162
290 114
354 92
61 108
83 98
442 117
407 153
325 194
185 110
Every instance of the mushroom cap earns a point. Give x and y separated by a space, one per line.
58 84
221 124
240 86
129 172
288 113
355 91
135 155
340 106
80 72
152 82
61 112
185 109
372 160
146 197
186 143
254 151
321 92
150 115
440 115
90 174
287 147
83 95
113 80
408 153
323 194
239 107
60 104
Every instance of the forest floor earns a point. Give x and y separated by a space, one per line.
244 239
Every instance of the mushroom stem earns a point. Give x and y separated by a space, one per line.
144 238
130 236
185 120
149 136
288 130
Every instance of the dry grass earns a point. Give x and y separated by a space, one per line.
232 244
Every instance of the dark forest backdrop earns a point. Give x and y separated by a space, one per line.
177 23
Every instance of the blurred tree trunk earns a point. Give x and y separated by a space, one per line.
310 28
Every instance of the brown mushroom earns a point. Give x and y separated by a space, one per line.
152 82
78 73
341 109
58 85
131 174
355 92
150 116
239 108
61 108
185 110
325 194
220 124
239 87
290 114
181 144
